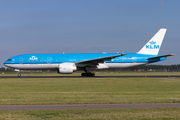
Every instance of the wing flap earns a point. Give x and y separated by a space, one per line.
99 60
160 56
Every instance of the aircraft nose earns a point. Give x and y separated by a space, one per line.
6 63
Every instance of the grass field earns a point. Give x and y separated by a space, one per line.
102 114
16 91
97 73
88 90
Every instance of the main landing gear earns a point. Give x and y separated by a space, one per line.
87 74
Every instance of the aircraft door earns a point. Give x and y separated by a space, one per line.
49 60
134 59
21 60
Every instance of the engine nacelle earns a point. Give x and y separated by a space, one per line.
67 68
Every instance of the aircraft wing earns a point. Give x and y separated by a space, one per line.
160 56
98 60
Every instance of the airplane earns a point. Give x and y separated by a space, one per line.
67 63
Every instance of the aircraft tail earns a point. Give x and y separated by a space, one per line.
153 46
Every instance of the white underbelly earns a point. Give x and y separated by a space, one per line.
33 66
123 65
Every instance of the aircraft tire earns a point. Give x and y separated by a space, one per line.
83 74
92 74
19 74
87 74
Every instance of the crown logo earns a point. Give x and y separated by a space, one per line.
33 58
152 42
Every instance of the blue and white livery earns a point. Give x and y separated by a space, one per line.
67 63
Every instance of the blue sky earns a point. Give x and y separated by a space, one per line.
87 26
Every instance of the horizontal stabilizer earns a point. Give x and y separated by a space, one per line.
160 56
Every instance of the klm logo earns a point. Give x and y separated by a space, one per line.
152 45
33 58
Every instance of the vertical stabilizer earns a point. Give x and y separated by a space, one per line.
154 44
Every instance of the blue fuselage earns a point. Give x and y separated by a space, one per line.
50 59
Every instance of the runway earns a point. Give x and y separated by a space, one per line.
88 106
159 76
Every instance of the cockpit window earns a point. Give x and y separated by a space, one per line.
9 60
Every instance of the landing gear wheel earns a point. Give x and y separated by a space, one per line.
83 74
19 74
87 74
92 74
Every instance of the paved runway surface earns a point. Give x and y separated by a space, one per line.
88 106
161 76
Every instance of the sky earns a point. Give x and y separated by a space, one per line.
87 26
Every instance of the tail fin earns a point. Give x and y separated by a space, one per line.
154 44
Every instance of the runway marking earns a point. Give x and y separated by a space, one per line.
88 106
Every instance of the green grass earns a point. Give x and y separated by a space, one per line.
88 90
91 91
100 73
100 114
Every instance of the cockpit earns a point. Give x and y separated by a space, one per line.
9 60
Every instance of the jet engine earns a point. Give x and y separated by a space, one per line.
67 68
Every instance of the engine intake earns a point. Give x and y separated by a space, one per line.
67 68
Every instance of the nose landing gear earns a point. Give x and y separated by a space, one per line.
18 72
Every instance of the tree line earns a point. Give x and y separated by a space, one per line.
153 67
150 67
3 69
